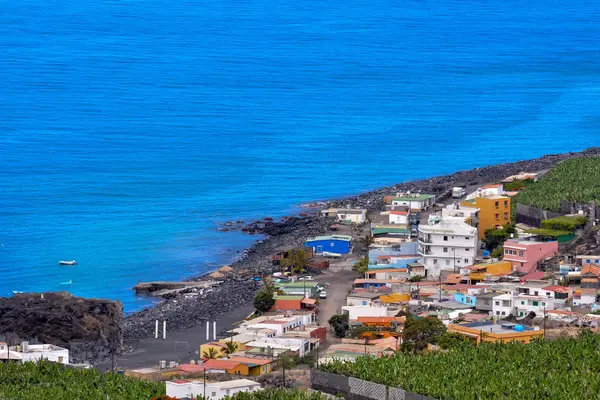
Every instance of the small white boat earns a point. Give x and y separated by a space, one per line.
72 262
67 283
16 292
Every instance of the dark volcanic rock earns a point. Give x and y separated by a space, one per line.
89 328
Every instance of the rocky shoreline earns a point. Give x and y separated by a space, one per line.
238 288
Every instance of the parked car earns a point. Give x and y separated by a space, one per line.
322 294
306 278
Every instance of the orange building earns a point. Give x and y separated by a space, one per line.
494 212
478 272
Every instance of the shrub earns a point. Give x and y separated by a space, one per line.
564 223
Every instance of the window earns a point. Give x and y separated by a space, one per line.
503 313
458 261
332 244
467 238
445 250
466 260
522 303
535 293
506 251
364 303
505 203
543 304
505 215
497 312
521 254
497 303
497 204
435 260
587 261
520 313
447 262
497 217
535 303
214 394
445 238
227 391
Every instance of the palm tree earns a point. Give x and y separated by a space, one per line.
296 261
211 354
230 348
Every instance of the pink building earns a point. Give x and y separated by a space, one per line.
525 253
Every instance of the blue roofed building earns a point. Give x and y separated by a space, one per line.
331 244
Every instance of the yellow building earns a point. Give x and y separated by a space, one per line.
492 331
219 349
479 271
494 212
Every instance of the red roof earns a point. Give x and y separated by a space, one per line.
557 289
309 301
221 364
591 269
399 212
470 317
248 360
495 186
191 368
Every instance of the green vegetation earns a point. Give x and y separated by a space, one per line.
548 232
230 348
296 262
419 332
264 300
211 353
361 266
494 238
575 180
517 185
277 394
561 369
416 278
450 340
340 324
47 380
569 224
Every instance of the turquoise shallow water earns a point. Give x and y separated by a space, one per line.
128 129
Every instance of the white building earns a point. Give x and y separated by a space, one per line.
35 352
367 311
447 244
362 298
414 201
351 215
398 217
503 305
525 304
470 214
298 345
186 389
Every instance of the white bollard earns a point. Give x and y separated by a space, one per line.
215 330
207 330
156 330
164 330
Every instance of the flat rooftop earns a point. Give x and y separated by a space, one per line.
498 328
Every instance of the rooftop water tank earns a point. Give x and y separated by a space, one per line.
519 328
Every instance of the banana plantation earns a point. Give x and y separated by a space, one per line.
562 369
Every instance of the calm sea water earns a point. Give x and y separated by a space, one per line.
129 129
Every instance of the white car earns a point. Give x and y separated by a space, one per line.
306 278
322 294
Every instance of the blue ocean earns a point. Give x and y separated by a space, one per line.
129 129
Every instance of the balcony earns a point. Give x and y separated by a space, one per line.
424 252
424 239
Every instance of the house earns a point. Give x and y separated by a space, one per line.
388 273
293 302
494 212
279 324
348 215
416 269
378 283
390 231
525 304
190 389
398 217
589 260
503 305
241 366
217 347
465 299
585 297
496 189
284 344
479 272
496 331
391 324
397 250
484 301
526 253
367 311
469 214
8 355
303 288
36 352
447 244
414 201
331 244
362 298
561 294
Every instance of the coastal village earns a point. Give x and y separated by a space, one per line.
513 260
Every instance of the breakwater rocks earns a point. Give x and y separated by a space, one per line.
91 329
191 309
